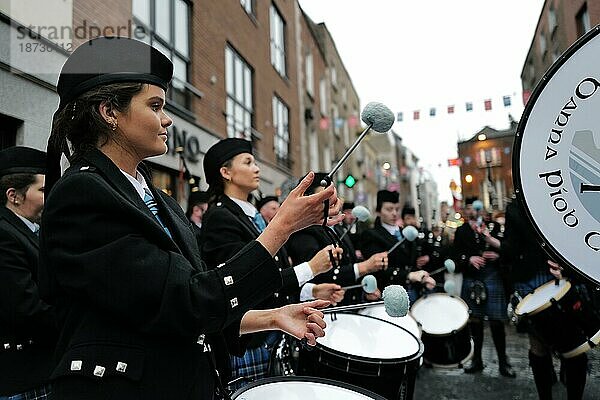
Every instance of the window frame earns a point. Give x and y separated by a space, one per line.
246 103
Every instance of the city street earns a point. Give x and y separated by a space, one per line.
454 384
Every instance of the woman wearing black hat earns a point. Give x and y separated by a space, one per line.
27 323
232 222
139 312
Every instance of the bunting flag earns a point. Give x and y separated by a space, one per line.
526 96
324 123
487 104
416 115
399 117
339 122
352 121
432 112
469 106
506 100
450 109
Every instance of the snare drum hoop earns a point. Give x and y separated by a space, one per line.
559 295
441 334
371 360
279 379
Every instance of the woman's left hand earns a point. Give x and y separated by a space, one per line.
302 320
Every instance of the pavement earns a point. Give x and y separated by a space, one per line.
454 384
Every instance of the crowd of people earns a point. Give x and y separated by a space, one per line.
114 292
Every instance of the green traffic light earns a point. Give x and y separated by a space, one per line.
350 181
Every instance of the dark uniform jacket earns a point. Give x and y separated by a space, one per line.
304 244
468 243
225 230
134 303
378 239
27 323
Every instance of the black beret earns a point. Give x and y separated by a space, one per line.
408 210
197 198
22 160
106 60
386 195
470 200
221 152
264 200
319 176
348 205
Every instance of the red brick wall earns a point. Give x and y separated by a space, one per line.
108 15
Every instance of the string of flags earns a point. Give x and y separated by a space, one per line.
507 101
352 120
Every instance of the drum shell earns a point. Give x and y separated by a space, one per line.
384 377
566 324
449 350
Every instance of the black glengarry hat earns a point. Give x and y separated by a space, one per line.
264 200
221 152
408 210
387 196
22 160
107 60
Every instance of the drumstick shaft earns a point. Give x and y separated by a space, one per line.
351 307
396 245
352 287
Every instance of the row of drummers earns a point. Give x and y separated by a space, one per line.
445 325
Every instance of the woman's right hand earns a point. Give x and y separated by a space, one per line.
328 291
477 261
321 262
376 262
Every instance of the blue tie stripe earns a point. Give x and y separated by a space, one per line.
153 206
259 221
398 234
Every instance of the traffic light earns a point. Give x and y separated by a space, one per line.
350 181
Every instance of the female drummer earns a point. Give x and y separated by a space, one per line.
531 269
139 312
232 222
476 254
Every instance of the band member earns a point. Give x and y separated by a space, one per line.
139 313
382 237
267 207
353 235
232 222
197 206
476 255
531 268
27 323
303 245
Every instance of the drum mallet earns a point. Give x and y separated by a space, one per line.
409 233
368 283
448 266
361 214
377 117
395 300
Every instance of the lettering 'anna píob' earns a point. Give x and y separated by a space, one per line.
556 162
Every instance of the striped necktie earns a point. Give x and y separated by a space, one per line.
259 221
397 234
151 204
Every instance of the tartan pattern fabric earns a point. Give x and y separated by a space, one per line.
541 277
41 393
255 363
495 306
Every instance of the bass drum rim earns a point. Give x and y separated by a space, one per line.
559 295
330 382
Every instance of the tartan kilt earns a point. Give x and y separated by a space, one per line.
40 393
495 306
255 364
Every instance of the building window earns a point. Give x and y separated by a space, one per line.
8 131
238 84
583 21
551 19
248 6
542 44
333 73
310 87
282 131
277 41
167 25
323 97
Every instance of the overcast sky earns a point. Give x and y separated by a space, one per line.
417 55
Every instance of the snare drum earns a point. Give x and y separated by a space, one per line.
406 322
443 320
302 388
561 319
368 352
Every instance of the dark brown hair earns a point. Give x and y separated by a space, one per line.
19 182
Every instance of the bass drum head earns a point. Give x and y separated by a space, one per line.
302 388
556 158
407 321
368 338
440 313
541 296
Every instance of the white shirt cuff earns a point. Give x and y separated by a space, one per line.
303 273
356 271
307 292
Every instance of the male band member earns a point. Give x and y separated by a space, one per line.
27 323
